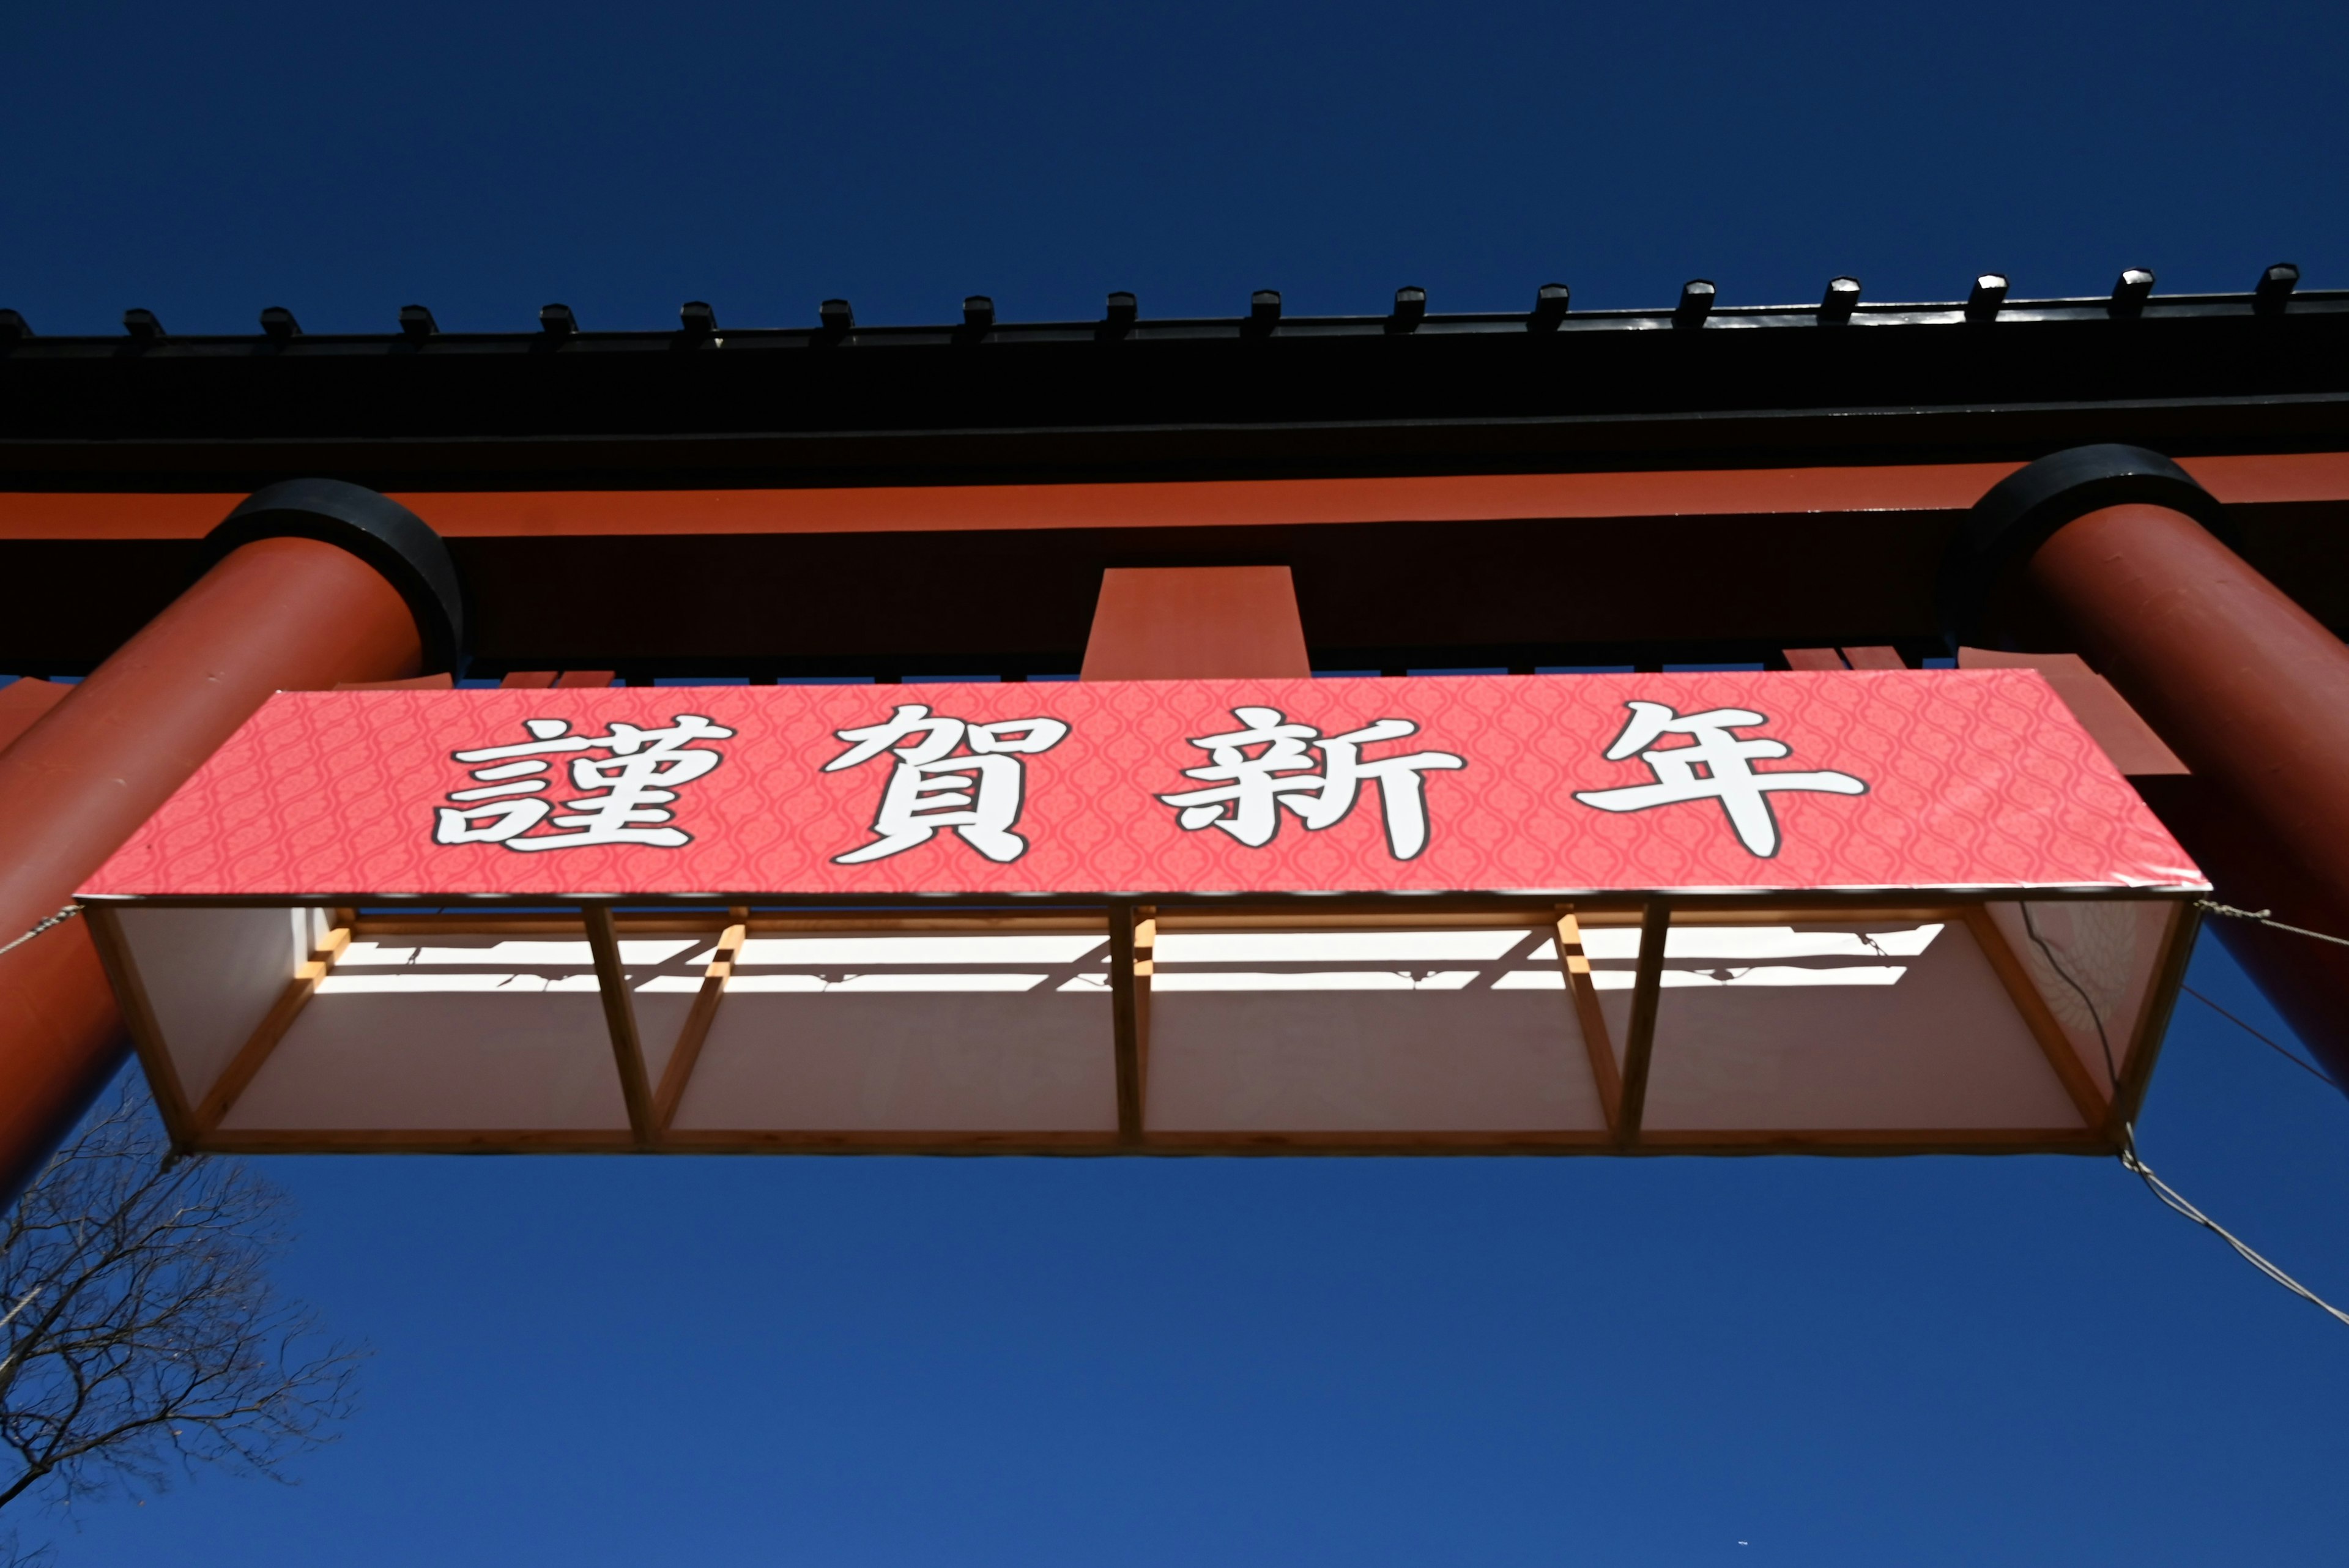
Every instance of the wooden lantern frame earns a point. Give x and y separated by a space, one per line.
1132 924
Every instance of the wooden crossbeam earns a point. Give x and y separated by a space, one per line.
138 1016
2037 1016
698 1020
1777 1140
2153 1023
1133 935
250 1058
1639 1038
1583 991
620 1017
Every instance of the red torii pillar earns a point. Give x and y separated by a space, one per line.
2128 556
314 582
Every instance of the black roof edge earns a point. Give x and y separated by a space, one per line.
2012 312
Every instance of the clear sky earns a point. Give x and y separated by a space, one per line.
483 159
883 1362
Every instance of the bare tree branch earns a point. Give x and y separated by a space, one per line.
141 1336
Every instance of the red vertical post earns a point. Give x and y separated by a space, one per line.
275 613
2120 548
2252 692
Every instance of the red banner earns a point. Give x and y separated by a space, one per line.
1927 779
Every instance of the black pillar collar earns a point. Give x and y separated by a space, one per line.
377 529
2023 509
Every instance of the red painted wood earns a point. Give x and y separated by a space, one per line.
442 683
277 614
2252 694
1170 623
2259 478
23 702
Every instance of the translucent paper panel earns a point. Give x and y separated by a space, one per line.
1825 1026
663 972
212 975
2092 964
914 1032
1362 1030
1766 1026
454 1033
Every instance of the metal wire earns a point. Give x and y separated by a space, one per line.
2111 1072
2171 1197
2311 1068
59 919
2262 917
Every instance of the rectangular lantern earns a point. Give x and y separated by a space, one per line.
1881 911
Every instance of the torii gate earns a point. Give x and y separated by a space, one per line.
2226 699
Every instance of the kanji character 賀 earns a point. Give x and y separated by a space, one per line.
979 793
1725 775
627 789
1268 765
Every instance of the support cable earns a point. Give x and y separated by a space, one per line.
2171 1197
2295 1057
59 919
2262 917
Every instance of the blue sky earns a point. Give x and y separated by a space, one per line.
485 159
886 1362
891 1362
